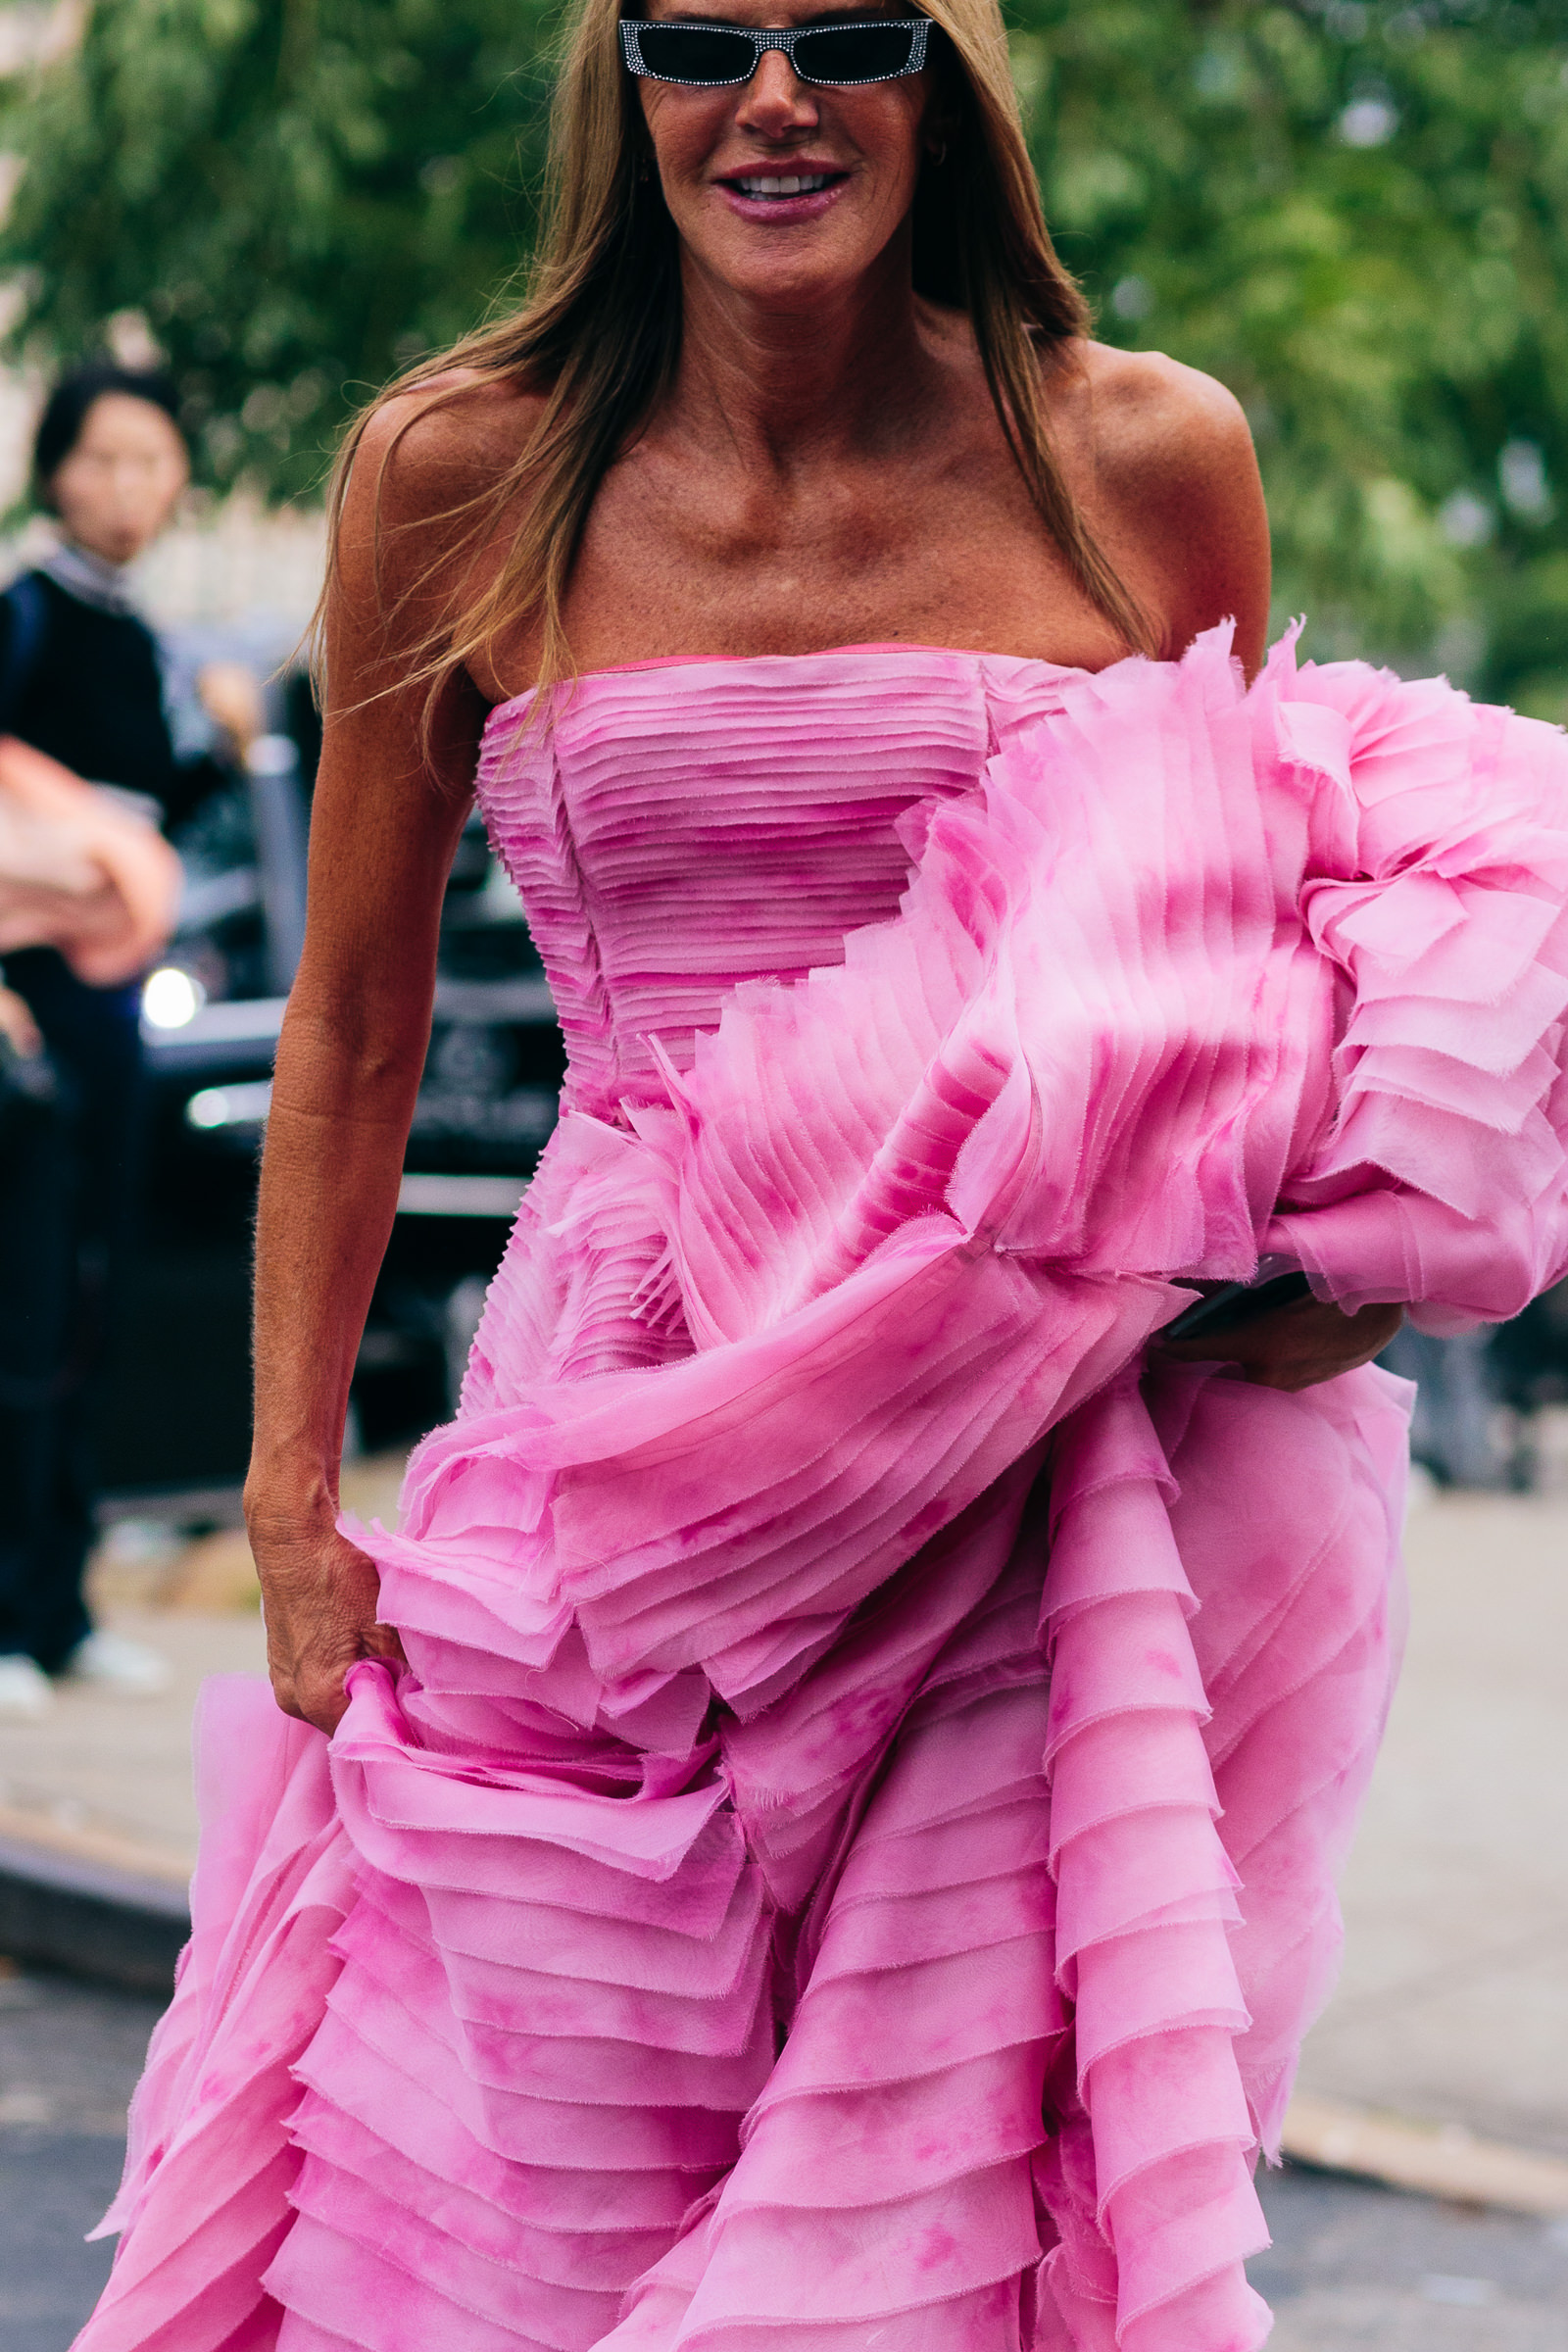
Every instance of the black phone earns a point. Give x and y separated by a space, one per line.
1235 1304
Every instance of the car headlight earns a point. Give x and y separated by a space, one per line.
170 998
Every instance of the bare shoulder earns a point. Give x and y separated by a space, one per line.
1147 412
417 522
1166 454
426 449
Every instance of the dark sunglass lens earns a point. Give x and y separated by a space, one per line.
691 53
855 53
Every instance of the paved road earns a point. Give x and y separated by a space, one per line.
1359 2269
69 2056
1353 2269
1454 2005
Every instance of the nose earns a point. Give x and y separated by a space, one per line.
775 102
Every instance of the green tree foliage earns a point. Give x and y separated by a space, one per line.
299 195
1354 211
1356 216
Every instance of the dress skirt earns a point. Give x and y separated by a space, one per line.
849 1861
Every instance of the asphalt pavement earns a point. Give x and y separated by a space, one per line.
1353 2268
69 2056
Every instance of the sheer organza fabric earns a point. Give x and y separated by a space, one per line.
851 1861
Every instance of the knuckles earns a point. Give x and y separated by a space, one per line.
321 1705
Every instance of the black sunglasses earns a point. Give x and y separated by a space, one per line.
715 57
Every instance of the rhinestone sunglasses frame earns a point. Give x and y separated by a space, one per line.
632 29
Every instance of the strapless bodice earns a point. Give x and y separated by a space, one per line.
678 827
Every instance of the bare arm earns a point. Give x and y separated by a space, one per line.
384 827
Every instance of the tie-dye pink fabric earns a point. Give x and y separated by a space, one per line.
851 1862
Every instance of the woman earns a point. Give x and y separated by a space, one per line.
829 1830
80 682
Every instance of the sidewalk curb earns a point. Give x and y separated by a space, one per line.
1433 2160
58 1910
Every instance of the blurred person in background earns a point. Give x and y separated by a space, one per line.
80 682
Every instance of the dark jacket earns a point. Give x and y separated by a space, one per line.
93 699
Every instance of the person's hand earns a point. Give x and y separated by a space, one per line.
1292 1347
233 699
79 873
17 1026
320 1596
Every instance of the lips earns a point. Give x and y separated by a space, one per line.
800 193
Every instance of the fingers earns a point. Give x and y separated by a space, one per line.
325 1709
1295 1346
1329 1350
313 1695
321 1594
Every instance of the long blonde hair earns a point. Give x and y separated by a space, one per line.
599 334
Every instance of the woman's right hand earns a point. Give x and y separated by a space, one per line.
319 1596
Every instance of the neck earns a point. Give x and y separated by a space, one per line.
112 566
780 383
94 578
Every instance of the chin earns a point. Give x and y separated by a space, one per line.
803 269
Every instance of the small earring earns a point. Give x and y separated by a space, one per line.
937 154
642 169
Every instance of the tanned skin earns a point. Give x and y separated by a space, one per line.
828 470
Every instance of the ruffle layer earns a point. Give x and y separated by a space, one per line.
1220 1666
203 2205
731 1929
1437 883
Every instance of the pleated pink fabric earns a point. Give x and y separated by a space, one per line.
852 1858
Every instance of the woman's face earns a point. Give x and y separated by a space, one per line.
858 151
121 482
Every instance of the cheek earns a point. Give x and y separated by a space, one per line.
170 479
685 130
890 136
68 488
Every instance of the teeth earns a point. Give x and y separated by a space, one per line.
805 183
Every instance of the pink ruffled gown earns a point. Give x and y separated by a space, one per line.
852 1861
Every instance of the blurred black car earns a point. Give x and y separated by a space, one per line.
176 1422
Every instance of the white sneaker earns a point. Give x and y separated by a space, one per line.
25 1691
112 1664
